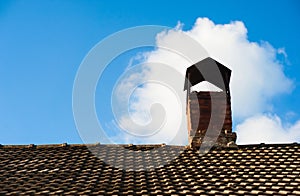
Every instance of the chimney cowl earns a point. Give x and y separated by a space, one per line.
199 106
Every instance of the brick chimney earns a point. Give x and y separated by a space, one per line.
209 113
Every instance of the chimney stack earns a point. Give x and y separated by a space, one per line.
209 113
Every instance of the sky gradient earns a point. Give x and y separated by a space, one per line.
42 44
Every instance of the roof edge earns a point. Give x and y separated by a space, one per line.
269 145
133 145
80 145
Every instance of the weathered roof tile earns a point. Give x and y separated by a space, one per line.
74 169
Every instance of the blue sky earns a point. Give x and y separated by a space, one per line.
42 44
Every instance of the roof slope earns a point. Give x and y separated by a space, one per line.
73 169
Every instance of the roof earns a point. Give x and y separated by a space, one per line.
74 169
206 71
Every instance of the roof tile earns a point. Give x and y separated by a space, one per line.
74 169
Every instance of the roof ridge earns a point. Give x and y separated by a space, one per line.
130 145
78 145
45 145
269 145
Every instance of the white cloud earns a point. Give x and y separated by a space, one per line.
257 77
267 129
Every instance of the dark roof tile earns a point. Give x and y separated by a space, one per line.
74 169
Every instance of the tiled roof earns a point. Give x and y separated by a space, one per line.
73 169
